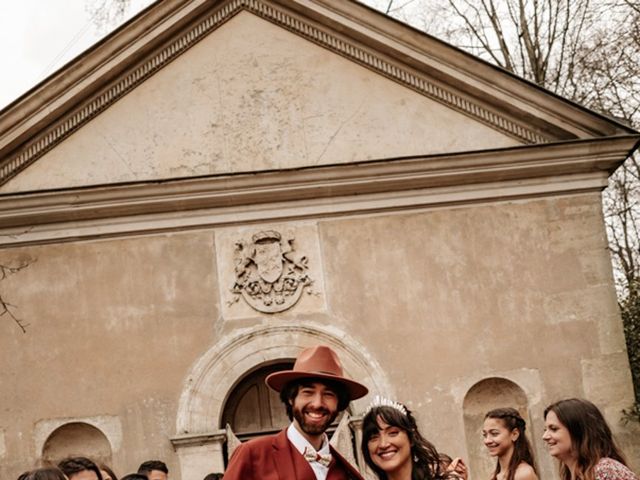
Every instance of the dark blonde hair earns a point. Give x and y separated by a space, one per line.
522 451
591 437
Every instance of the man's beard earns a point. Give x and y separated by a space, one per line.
314 428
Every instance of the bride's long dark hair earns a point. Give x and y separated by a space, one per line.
425 457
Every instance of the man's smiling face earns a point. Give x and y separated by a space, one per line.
314 407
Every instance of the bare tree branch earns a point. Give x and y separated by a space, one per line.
588 52
7 308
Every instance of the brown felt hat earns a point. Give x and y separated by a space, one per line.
319 362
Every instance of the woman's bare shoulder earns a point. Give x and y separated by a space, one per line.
525 472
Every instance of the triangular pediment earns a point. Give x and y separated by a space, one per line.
211 88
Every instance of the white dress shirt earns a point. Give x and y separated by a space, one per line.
300 443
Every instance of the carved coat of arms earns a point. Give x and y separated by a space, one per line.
270 275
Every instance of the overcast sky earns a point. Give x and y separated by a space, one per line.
37 37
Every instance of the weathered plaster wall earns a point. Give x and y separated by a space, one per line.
114 325
253 96
521 291
439 298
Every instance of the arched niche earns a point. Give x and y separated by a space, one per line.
199 440
77 439
482 397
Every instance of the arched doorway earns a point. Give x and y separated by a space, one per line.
253 409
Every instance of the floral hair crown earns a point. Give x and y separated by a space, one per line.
379 401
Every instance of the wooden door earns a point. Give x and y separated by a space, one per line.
253 409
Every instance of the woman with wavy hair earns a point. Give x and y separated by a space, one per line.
395 450
577 434
503 434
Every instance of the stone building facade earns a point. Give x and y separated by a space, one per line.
219 184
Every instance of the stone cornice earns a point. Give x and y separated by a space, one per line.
181 441
26 135
374 186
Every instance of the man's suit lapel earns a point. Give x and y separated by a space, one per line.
340 461
282 456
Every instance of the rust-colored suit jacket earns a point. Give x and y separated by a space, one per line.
274 458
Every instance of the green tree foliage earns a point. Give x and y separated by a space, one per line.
630 308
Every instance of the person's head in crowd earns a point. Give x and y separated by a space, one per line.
135 476
577 434
80 468
315 391
504 437
391 427
107 472
213 476
154 470
48 473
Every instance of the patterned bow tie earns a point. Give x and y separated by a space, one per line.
311 455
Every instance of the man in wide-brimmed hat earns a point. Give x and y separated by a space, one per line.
314 392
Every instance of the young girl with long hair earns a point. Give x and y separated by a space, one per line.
503 434
395 450
577 434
